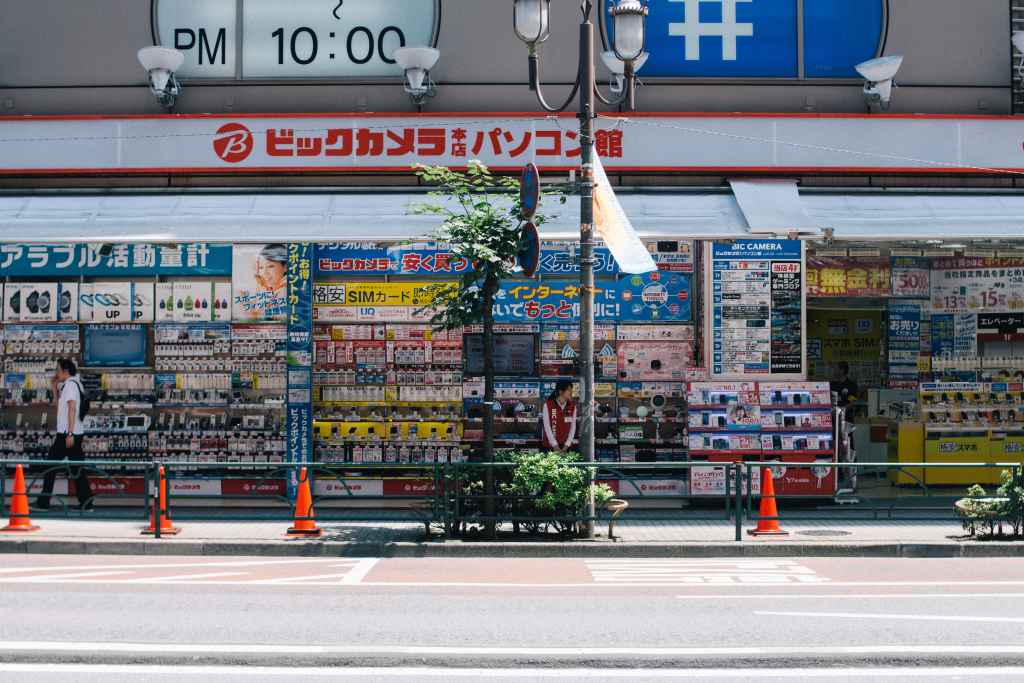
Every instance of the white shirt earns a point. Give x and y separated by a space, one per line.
70 392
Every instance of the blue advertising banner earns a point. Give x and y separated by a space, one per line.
300 359
639 298
943 335
904 343
436 258
758 38
143 260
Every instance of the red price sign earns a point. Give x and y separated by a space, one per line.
910 282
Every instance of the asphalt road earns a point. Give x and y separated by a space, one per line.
110 618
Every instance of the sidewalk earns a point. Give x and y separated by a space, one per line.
381 538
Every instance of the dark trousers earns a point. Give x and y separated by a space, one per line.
59 451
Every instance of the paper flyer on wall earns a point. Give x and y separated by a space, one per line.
615 228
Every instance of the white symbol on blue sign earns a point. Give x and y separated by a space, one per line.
759 38
728 29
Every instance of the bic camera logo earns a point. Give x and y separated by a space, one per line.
233 143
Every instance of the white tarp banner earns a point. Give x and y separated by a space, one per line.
613 225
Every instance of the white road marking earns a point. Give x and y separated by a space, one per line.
922 617
704 571
186 577
55 578
360 571
471 584
833 596
523 674
295 579
234 563
195 648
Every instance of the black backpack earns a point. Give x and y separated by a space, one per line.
84 404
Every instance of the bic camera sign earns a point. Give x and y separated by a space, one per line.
293 39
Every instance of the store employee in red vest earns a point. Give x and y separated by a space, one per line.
560 418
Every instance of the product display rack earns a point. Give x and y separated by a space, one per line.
211 393
797 427
967 422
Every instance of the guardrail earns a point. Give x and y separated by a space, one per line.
453 494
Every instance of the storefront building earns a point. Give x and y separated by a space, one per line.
240 280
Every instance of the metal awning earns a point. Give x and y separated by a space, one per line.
381 216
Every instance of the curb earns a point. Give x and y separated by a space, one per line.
458 549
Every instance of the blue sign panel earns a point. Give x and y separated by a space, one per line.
904 341
839 34
757 249
300 359
655 296
436 258
758 38
140 260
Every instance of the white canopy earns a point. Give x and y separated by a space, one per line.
382 215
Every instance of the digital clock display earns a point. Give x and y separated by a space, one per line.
293 38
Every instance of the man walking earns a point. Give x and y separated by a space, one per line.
67 445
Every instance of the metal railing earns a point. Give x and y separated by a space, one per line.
450 494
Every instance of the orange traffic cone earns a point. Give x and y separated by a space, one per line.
19 520
768 527
166 527
304 508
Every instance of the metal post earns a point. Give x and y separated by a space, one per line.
587 258
447 502
159 509
737 469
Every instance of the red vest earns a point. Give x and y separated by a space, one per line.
561 421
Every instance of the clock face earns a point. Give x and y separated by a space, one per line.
293 39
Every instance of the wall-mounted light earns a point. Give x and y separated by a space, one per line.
618 68
1018 42
416 62
879 74
161 63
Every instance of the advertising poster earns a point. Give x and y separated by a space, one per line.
163 295
142 302
651 297
904 343
39 302
965 331
193 302
111 301
755 294
848 276
943 335
299 314
259 282
437 258
835 335
977 285
910 277
132 260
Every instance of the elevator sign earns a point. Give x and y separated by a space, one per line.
293 39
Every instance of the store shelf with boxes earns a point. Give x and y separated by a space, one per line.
789 423
968 422
387 394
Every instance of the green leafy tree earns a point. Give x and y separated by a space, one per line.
482 220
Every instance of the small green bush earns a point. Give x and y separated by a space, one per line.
984 514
